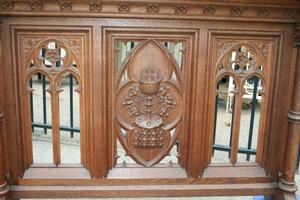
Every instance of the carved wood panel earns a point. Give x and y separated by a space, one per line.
241 59
52 55
148 102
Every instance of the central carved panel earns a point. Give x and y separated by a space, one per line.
148 103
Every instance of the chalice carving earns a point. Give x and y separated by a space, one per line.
148 131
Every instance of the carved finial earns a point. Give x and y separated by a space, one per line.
124 7
209 10
7 5
153 8
263 12
65 5
237 11
181 9
36 5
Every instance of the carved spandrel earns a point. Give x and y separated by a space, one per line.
222 47
30 43
73 43
264 48
149 105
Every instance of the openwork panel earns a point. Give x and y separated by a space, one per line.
241 81
53 76
148 102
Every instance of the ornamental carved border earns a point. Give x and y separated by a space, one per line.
163 9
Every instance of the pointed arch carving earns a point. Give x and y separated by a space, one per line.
52 57
240 61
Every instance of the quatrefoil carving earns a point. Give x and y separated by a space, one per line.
53 54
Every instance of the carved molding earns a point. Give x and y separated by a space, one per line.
294 117
190 10
4 189
287 186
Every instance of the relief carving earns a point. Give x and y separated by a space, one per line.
153 8
52 55
148 129
65 6
263 12
291 12
264 48
237 11
242 59
95 6
29 44
148 105
49 56
222 47
181 9
36 5
73 43
209 10
124 8
7 5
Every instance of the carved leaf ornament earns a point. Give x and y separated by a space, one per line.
148 105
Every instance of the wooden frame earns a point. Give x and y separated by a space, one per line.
188 36
97 25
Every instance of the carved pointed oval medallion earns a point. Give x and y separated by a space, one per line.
149 104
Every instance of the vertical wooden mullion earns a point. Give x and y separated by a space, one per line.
83 134
236 128
55 126
28 127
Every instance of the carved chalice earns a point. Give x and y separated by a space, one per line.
149 131
149 87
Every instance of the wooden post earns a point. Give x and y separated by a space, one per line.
287 183
3 184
